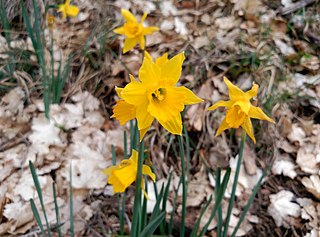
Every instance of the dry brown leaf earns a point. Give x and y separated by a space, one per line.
306 160
284 165
312 184
282 208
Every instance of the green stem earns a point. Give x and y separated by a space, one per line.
184 187
135 230
234 186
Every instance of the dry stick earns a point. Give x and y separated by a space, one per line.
295 6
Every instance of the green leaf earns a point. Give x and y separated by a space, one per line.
246 208
152 226
56 209
156 209
196 226
37 217
71 205
38 188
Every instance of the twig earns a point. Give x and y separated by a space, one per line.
295 6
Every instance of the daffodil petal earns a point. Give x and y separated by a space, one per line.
143 132
162 60
143 116
235 93
257 113
129 43
134 93
173 126
134 156
252 92
123 112
118 90
62 9
223 126
128 16
146 170
108 171
190 97
247 126
171 70
142 42
149 30
147 55
221 103
72 11
143 17
119 30
149 72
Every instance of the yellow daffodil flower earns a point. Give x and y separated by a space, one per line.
68 10
155 95
134 31
123 175
240 109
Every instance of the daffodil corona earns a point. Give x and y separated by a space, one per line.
68 10
240 109
134 31
123 175
155 95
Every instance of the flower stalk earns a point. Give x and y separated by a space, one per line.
184 186
235 183
135 230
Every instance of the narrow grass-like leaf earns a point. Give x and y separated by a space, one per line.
164 203
38 188
37 217
144 206
246 208
5 22
122 197
123 208
37 38
136 225
218 201
113 155
71 204
196 226
184 187
187 149
56 207
125 142
156 209
219 211
152 226
174 206
234 186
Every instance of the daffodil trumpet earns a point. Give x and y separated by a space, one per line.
121 176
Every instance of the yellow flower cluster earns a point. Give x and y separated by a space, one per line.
155 95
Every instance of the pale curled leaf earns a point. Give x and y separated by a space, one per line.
282 208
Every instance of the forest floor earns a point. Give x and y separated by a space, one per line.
275 44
